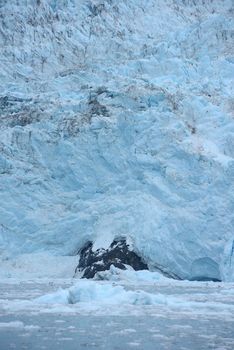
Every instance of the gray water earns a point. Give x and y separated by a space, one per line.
169 329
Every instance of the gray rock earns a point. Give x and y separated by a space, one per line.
118 254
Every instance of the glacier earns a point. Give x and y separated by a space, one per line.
117 121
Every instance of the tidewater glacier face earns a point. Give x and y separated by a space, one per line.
117 121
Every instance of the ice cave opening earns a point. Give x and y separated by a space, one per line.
205 269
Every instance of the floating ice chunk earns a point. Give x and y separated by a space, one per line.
13 324
90 291
129 275
59 297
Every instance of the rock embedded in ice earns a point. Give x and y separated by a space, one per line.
118 254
